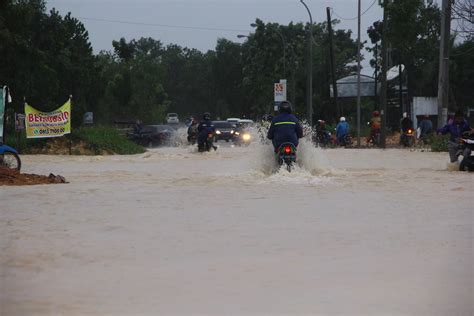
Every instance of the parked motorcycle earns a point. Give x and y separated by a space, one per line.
9 158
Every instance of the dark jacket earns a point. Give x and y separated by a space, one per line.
204 128
406 123
285 128
455 130
426 127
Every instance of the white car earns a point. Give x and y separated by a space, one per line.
233 120
172 118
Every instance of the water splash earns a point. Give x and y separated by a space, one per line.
309 157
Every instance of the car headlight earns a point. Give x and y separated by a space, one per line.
237 133
232 131
218 132
246 136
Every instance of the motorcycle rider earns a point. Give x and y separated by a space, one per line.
321 135
405 124
205 128
192 130
455 128
285 127
375 125
342 129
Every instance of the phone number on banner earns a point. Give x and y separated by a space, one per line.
49 131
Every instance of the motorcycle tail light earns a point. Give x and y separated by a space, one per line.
287 150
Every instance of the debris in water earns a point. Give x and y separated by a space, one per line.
13 177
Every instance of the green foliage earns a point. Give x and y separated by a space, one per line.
413 34
439 142
462 75
107 139
46 57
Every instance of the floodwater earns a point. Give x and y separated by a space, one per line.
175 232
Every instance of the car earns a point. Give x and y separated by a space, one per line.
172 118
246 122
233 120
224 130
154 135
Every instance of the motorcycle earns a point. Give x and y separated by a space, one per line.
374 139
407 138
322 138
207 144
286 154
465 149
346 141
9 158
192 138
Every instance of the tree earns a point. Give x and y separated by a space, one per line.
413 36
262 59
463 13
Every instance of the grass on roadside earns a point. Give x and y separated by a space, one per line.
108 139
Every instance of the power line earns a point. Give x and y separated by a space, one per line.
163 25
355 18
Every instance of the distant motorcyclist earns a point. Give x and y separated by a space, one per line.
321 135
375 126
342 129
285 127
455 128
137 127
406 123
205 128
192 131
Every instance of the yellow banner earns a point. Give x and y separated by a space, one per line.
48 124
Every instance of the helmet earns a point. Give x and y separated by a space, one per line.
285 107
405 114
206 116
342 119
375 113
322 123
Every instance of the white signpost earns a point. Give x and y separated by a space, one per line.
279 93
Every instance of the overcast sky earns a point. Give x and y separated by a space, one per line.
233 17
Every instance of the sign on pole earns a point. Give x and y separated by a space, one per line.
2 111
88 118
279 93
48 124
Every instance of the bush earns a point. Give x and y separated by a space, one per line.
102 138
439 142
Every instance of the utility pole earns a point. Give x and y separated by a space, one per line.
333 64
358 75
400 90
383 79
309 91
443 76
376 77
